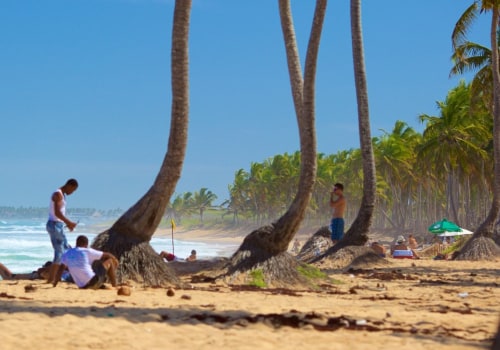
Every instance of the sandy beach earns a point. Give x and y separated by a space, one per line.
407 304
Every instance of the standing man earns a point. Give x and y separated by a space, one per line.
56 222
88 267
338 204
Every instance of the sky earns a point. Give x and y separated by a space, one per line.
85 89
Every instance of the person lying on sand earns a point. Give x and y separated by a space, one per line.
5 272
168 256
88 267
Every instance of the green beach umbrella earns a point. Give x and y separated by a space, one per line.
444 226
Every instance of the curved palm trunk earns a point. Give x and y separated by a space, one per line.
358 232
288 224
292 54
481 245
265 248
129 237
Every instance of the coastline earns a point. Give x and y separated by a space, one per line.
204 236
208 236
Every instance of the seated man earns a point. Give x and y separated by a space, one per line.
192 257
412 242
401 251
88 267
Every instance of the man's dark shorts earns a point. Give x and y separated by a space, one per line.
337 228
99 278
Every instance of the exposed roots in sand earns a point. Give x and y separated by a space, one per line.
351 257
480 248
316 245
257 263
139 262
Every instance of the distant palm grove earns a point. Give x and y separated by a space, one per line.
446 171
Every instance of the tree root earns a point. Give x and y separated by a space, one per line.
316 245
350 257
257 257
138 260
479 248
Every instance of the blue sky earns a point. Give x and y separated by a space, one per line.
85 88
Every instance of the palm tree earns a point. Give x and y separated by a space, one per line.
357 234
481 245
265 248
203 200
449 143
472 57
181 206
238 192
129 237
395 158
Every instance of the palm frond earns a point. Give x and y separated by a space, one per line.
459 34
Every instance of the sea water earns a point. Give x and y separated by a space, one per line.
25 245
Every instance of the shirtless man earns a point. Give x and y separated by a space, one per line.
378 248
412 242
192 257
338 205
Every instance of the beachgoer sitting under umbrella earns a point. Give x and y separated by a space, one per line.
401 251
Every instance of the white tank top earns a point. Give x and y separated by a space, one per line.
52 207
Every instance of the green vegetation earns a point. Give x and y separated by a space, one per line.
311 272
457 245
257 279
445 171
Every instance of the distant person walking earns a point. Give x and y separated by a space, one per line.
56 222
338 205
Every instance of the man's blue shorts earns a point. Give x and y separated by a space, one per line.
337 228
58 239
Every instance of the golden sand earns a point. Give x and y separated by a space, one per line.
409 304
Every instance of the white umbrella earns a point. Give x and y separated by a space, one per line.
460 233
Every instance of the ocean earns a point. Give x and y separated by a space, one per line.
25 245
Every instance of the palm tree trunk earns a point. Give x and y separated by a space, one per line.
265 248
128 239
358 232
481 245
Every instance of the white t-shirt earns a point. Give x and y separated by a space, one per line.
79 262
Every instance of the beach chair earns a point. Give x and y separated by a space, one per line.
402 254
